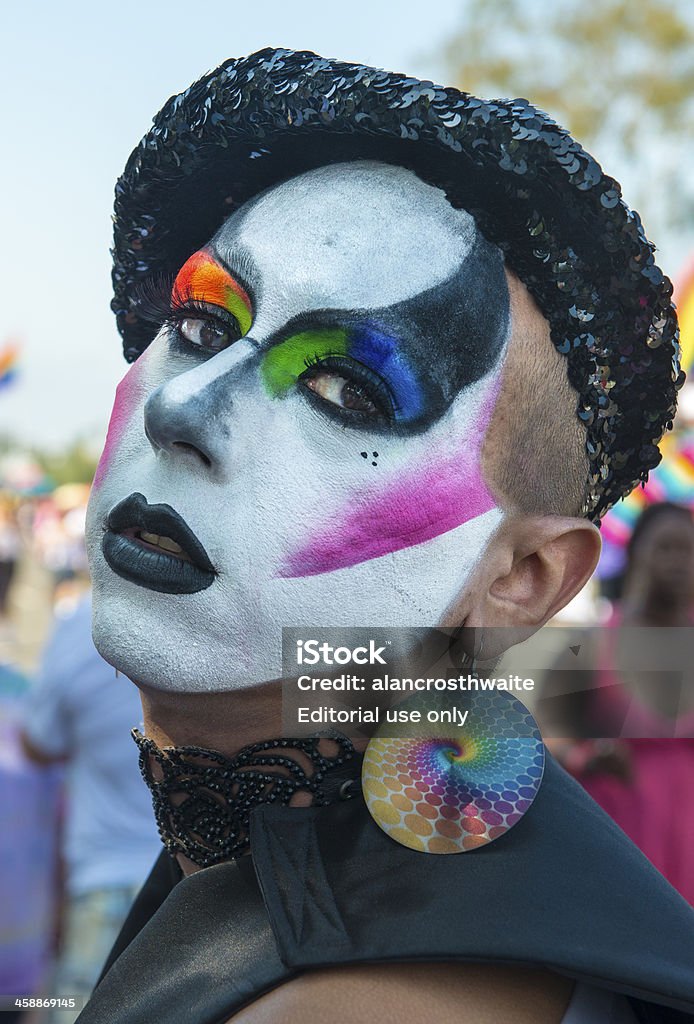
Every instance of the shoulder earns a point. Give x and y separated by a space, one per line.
408 993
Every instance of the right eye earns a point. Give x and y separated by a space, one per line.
207 333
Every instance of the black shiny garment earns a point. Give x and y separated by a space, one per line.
564 889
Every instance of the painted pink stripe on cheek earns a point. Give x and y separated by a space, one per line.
415 509
125 403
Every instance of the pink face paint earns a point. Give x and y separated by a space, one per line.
128 394
418 508
423 504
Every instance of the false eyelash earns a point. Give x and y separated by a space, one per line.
156 301
152 298
317 358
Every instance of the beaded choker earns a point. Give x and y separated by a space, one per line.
203 800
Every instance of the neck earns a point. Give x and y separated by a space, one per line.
225 722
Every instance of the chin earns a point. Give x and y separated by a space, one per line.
170 643
135 641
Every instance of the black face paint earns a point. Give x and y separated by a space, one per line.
452 334
408 360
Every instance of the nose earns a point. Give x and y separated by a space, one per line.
189 417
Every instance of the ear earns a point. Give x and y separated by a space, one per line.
531 570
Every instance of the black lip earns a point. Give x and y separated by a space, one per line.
153 569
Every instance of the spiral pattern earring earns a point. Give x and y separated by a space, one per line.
454 782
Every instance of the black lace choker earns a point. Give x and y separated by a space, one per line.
203 800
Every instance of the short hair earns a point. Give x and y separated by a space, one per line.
534 454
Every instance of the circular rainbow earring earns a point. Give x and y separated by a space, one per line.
449 776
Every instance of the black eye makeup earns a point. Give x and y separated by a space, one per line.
398 367
199 329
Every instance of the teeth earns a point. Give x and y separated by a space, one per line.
162 542
170 545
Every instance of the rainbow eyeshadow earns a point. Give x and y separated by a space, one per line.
286 362
202 279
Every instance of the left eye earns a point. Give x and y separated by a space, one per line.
349 386
207 333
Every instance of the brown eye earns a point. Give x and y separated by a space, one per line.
210 335
340 391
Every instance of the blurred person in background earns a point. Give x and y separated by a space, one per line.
10 546
29 802
79 714
58 538
643 779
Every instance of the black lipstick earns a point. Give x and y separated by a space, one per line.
153 546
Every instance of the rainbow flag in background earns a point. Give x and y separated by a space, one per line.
9 361
671 480
684 300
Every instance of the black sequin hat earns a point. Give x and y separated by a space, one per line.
560 222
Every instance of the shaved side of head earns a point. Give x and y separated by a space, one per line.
534 454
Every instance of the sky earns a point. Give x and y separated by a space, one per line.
80 83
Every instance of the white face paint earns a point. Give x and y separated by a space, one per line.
327 461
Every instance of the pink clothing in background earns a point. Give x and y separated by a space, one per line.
656 807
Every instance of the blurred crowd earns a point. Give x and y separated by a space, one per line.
630 712
78 837
43 565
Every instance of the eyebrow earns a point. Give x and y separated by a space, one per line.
240 265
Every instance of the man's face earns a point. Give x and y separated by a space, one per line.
312 419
